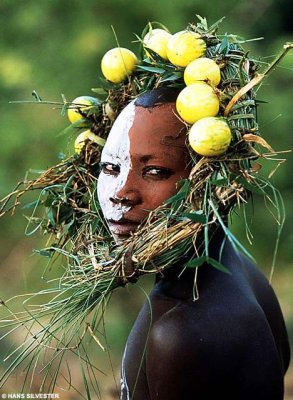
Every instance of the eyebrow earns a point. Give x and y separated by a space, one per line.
171 141
110 154
148 157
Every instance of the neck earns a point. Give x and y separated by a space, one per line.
179 282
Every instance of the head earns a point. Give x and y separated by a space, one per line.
142 162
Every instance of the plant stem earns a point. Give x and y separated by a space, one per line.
286 48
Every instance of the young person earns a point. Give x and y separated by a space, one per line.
212 326
229 343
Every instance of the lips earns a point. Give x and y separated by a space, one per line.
123 226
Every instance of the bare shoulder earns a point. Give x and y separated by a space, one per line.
204 328
230 308
211 346
226 333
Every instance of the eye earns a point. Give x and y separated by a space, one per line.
109 168
157 173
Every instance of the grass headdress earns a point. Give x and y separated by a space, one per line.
217 101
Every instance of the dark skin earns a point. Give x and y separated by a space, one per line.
231 342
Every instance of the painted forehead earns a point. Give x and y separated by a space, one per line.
157 123
119 131
145 128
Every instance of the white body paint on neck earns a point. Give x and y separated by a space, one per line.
116 151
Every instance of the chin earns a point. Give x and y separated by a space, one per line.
122 230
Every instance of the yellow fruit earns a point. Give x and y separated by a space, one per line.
157 40
73 113
184 47
197 101
117 64
210 136
87 135
202 69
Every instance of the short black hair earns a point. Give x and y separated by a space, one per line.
156 97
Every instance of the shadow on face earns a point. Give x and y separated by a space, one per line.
143 160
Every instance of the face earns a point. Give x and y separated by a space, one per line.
143 160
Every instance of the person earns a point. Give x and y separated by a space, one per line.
231 341
212 326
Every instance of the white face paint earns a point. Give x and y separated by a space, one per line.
116 151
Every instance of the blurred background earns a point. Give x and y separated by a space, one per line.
55 47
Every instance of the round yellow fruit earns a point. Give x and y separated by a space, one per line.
117 64
210 136
202 69
82 103
197 101
184 47
87 135
157 40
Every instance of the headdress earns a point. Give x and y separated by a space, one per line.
224 133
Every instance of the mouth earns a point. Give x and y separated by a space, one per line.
122 227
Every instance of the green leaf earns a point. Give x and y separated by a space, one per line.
171 76
224 46
197 262
216 264
215 26
101 92
50 216
219 182
249 186
67 226
44 253
106 85
175 198
202 22
232 239
156 70
32 204
154 56
181 194
84 377
75 128
50 200
196 216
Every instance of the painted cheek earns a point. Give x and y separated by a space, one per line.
117 150
108 186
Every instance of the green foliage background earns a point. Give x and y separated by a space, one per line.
55 47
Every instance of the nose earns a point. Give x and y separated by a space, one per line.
129 195
124 201
129 199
